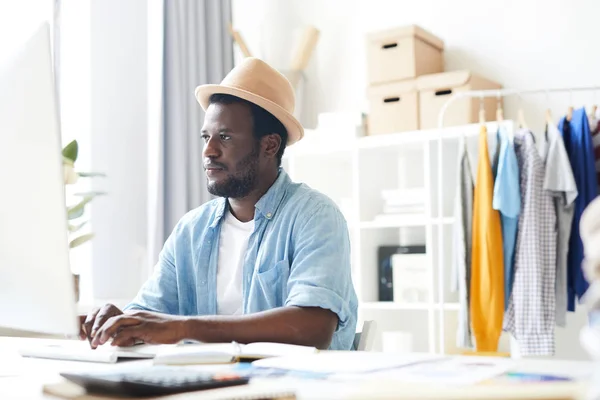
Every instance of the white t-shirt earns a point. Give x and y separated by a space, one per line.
233 243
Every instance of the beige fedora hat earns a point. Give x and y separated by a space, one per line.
259 83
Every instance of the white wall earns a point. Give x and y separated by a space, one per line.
119 144
521 44
518 43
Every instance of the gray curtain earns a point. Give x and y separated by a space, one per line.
197 50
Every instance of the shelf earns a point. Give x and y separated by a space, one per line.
319 149
390 305
404 221
451 306
321 143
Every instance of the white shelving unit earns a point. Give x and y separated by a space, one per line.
353 172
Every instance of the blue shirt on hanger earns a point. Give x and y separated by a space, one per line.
578 143
507 200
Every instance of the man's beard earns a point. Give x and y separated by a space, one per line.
241 183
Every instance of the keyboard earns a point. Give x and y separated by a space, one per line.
153 381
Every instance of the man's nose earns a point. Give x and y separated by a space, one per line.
211 148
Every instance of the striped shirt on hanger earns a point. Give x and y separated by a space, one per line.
531 310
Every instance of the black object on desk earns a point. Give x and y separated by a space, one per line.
153 381
384 262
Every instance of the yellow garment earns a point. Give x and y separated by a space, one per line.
487 268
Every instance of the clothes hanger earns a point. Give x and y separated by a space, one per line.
481 112
592 114
549 120
521 115
499 111
570 109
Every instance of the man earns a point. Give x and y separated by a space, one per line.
267 261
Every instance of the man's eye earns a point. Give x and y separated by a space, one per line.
205 138
225 137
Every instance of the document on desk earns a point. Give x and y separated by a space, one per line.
345 362
459 370
77 350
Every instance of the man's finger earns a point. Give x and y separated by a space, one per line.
128 336
82 333
88 323
102 316
112 326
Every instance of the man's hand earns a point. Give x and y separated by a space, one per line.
91 323
152 328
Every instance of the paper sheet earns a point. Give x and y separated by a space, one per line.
344 362
450 371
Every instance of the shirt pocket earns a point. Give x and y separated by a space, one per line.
273 284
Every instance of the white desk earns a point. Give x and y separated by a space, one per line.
29 375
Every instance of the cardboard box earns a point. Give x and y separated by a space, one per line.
393 107
403 53
436 89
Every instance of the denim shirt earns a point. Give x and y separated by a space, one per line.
298 255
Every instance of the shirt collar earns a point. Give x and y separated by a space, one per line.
267 205
219 211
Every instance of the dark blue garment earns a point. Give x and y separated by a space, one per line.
578 143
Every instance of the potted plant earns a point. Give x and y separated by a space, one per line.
76 203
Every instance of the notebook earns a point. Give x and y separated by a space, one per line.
78 350
228 353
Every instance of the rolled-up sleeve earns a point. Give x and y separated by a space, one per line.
320 272
160 292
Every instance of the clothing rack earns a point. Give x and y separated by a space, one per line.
498 93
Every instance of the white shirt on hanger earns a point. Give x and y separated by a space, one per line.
560 183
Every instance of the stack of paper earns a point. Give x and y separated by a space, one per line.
403 201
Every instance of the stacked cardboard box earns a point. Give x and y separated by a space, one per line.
407 85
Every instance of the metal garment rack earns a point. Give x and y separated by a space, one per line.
497 93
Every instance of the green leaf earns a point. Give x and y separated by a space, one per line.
70 151
78 241
91 174
75 228
92 194
77 210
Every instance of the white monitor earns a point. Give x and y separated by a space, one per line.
36 286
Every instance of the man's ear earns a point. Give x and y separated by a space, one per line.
271 144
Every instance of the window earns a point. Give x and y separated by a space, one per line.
75 109
18 21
